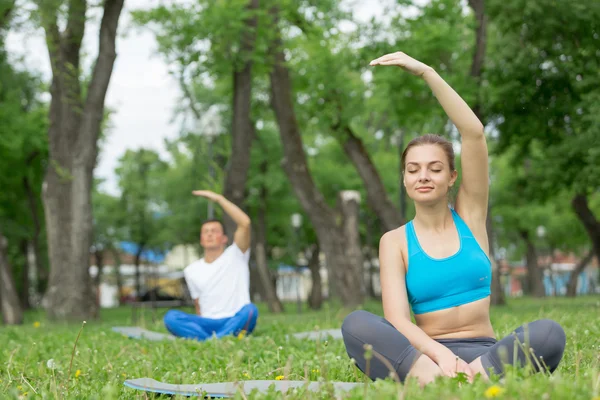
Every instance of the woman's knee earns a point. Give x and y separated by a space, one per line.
358 324
548 340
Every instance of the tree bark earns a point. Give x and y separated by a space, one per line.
589 221
138 278
260 244
117 266
75 123
242 133
32 200
99 255
349 205
24 248
12 313
377 197
574 278
315 300
322 217
477 64
535 274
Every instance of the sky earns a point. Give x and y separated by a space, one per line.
141 91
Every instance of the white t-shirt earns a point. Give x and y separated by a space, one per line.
222 287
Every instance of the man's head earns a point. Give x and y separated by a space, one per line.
212 235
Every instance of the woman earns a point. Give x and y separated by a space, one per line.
438 264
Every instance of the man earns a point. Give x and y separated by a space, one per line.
219 283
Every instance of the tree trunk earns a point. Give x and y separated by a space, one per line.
349 205
99 255
497 297
377 196
117 267
260 241
574 278
75 123
589 221
12 313
477 64
138 277
535 274
323 218
315 300
38 261
242 132
24 248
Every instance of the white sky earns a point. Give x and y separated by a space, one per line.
141 90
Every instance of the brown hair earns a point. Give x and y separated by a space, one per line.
215 220
430 138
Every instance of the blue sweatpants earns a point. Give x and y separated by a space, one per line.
193 326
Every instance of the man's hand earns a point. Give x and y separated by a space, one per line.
207 194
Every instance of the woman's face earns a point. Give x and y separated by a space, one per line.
427 175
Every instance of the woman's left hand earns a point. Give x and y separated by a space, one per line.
403 61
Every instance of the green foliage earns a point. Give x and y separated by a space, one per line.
23 157
142 211
542 78
105 359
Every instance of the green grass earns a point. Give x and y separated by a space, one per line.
105 359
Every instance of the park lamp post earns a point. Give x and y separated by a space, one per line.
296 224
210 126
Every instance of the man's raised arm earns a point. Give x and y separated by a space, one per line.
242 234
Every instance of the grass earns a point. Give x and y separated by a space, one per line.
35 359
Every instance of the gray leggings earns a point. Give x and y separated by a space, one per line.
545 337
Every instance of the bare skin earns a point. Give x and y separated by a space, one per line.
428 177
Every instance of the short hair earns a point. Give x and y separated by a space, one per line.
217 221
431 138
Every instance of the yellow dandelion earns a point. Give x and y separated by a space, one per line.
246 375
493 391
36 324
241 335
316 371
77 373
279 377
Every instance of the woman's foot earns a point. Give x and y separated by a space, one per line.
425 370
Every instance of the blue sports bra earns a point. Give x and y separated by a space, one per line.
435 284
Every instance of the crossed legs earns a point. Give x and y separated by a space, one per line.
540 344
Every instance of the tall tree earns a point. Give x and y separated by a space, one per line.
22 159
12 313
140 174
76 113
542 79
242 126
477 66
323 217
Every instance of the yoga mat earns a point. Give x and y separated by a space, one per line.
135 332
228 389
320 335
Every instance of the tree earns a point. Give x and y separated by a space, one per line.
76 113
12 313
22 160
541 79
143 212
322 216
